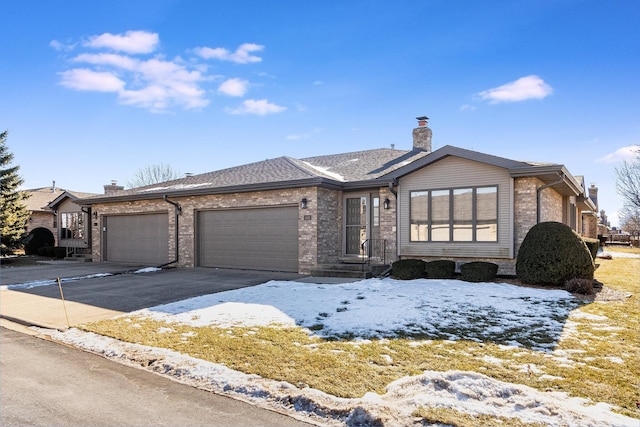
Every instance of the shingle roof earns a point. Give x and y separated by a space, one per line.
337 169
345 170
39 198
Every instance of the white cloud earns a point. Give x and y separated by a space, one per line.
131 42
299 136
155 83
113 59
625 153
529 87
242 55
260 107
57 45
89 80
318 83
234 87
467 107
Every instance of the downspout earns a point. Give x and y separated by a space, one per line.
393 190
178 212
539 195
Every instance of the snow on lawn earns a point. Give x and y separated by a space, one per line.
387 308
445 309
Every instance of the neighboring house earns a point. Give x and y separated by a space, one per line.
56 210
302 215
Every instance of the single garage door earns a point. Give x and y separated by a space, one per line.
137 238
256 239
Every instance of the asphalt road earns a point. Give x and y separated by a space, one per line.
47 384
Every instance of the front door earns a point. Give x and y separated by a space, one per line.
361 222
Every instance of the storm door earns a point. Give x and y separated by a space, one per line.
361 223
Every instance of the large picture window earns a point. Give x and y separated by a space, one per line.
454 215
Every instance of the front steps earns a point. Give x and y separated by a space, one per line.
351 270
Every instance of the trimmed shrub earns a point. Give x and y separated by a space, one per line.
553 253
479 271
37 238
440 269
59 252
580 286
593 245
407 269
46 251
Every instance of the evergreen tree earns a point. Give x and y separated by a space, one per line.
13 210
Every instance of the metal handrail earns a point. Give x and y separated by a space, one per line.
369 246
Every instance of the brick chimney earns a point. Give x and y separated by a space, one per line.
113 188
422 135
593 195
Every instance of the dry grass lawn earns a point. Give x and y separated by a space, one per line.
598 356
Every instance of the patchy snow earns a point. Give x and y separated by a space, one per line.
468 392
175 187
47 282
325 171
615 254
377 308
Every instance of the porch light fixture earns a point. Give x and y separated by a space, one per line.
303 203
387 203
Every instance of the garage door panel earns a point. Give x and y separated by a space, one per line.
137 238
264 238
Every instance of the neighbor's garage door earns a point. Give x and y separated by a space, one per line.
137 238
257 239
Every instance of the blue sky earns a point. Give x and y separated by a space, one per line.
93 91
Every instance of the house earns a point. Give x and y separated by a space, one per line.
56 210
302 215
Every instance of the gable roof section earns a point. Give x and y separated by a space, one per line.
40 199
550 173
72 195
333 171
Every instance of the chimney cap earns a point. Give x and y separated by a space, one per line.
421 118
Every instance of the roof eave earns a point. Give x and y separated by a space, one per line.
266 186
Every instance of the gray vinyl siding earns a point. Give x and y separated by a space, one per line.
455 172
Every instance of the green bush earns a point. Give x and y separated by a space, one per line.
407 269
479 271
553 253
593 245
37 238
441 269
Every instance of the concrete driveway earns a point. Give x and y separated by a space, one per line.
89 298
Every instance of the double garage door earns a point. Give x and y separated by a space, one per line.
258 239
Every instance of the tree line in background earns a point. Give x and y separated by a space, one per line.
628 187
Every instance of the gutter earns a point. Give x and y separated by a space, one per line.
539 194
178 212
